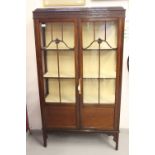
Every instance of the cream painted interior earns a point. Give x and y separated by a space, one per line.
88 34
90 91
107 64
107 91
68 34
52 66
90 63
107 58
66 58
66 64
67 90
53 95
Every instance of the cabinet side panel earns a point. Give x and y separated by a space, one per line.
39 69
119 71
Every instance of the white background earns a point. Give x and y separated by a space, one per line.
32 98
13 77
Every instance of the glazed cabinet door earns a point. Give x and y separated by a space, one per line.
98 57
59 72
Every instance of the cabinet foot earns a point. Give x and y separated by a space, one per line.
44 138
116 139
45 143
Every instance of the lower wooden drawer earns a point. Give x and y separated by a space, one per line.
97 117
60 117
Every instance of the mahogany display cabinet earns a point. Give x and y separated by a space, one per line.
79 61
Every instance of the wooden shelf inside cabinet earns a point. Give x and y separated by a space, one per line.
55 99
93 76
50 75
111 49
103 100
46 49
99 78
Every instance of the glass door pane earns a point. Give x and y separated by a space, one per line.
99 44
90 91
59 62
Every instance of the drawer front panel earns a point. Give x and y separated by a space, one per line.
98 118
60 117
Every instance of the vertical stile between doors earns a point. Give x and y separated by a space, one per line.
80 70
77 70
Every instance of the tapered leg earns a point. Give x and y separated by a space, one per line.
44 138
116 139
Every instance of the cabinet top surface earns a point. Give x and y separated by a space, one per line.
44 13
77 9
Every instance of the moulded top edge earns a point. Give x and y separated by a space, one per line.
77 9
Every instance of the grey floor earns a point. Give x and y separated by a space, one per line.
77 144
